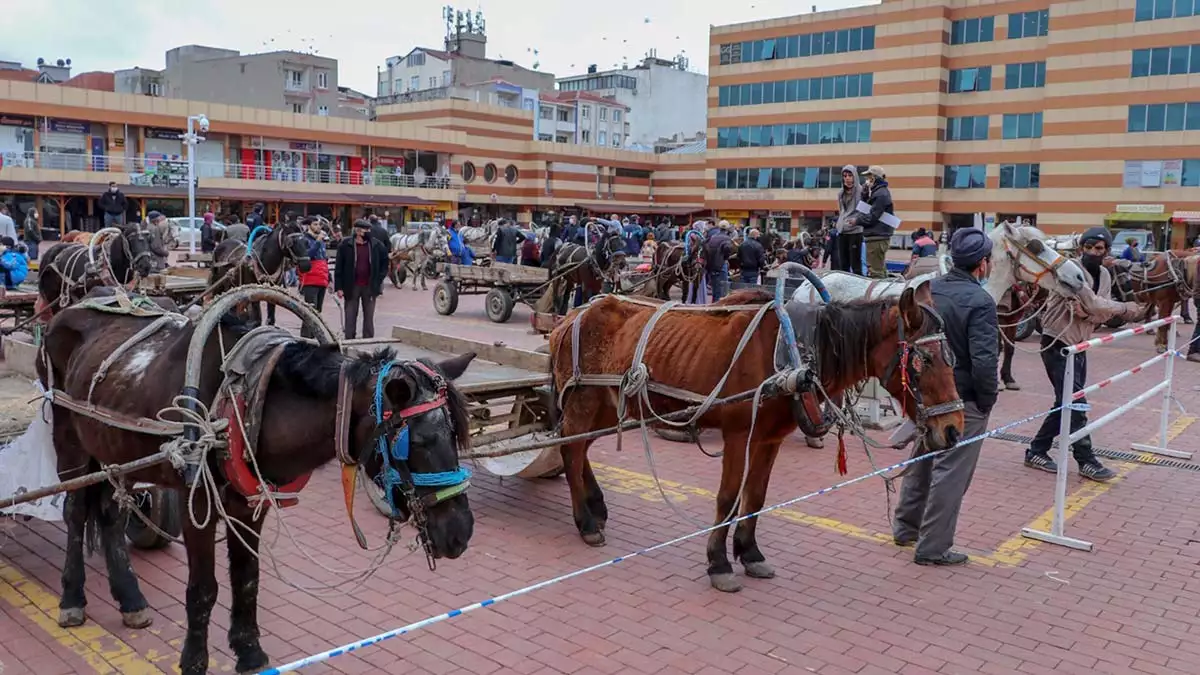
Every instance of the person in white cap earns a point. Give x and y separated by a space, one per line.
876 233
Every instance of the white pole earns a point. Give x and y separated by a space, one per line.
1064 446
190 140
1170 372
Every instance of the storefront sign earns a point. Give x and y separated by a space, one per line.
386 160
728 215
16 121
1133 175
68 126
163 134
1172 169
781 214
1140 208
307 146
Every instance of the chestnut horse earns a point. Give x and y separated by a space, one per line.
1163 281
674 264
297 431
691 349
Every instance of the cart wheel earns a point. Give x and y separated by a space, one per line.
161 507
445 297
499 305
432 270
675 434
398 275
539 411
1024 330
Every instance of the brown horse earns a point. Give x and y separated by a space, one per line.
1165 280
690 350
298 385
1021 301
674 264
574 266
66 274
263 261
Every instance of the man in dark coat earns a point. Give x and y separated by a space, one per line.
933 490
256 217
505 246
717 250
113 204
753 258
877 234
362 264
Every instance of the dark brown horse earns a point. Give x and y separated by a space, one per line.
1020 302
575 266
1165 280
674 264
299 389
263 261
66 272
690 350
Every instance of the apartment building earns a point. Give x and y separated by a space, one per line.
663 97
583 118
1069 113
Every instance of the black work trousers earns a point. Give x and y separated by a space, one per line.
1056 365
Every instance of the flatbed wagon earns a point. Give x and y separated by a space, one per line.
504 284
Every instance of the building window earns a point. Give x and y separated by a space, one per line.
616 139
603 114
446 76
1028 24
433 83
322 80
1147 10
965 176
511 174
586 111
1164 117
323 111
1023 125
1025 75
970 31
415 60
799 46
468 172
489 172
399 86
585 136
564 115
298 108
1166 61
415 83
973 128
790 91
545 137
805 133
546 112
155 89
1020 176
781 178
602 138
561 138
970 79
295 79
616 115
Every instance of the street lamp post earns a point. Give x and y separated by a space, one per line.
191 139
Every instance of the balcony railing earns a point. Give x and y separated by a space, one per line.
172 172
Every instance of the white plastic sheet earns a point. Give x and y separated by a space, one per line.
29 463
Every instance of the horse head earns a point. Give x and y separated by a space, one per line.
139 249
1022 253
407 425
286 242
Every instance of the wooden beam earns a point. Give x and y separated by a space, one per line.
506 356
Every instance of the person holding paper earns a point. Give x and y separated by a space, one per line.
847 231
878 220
932 493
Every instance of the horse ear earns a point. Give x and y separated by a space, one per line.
453 368
910 307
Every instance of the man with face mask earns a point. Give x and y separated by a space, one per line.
932 493
876 233
1067 321
113 204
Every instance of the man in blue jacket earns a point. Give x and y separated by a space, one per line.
933 490
13 264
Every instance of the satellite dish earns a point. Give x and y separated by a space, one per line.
60 63
41 61
68 62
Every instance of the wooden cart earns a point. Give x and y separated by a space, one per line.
509 395
504 284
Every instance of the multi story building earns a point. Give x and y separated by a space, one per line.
60 147
1069 113
664 98
582 118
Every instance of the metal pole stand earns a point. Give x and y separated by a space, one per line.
1161 448
873 406
1055 535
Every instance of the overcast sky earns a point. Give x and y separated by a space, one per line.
360 34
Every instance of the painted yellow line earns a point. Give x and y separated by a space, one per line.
100 649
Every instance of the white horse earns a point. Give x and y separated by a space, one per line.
414 251
478 235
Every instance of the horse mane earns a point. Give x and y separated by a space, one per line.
313 370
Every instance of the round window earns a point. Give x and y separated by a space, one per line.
489 173
511 174
468 172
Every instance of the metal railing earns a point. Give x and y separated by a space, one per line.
172 171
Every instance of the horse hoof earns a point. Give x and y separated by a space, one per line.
814 441
70 618
252 662
759 570
726 583
1012 386
138 619
594 539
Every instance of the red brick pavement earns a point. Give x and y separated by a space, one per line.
845 600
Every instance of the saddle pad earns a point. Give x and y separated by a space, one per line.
122 303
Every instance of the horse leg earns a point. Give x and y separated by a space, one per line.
201 591
720 572
122 582
73 600
575 462
1166 307
595 496
1006 375
745 546
243 580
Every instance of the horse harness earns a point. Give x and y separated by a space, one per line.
913 358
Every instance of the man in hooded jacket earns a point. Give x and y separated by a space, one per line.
877 234
1068 321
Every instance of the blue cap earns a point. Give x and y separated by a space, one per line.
968 246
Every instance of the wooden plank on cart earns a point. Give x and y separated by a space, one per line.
532 362
521 274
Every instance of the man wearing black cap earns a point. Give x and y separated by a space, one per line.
933 490
1068 321
362 264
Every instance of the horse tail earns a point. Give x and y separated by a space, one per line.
90 500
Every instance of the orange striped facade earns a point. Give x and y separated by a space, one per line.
1070 124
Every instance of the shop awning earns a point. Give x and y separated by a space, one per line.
90 189
640 210
1123 217
1186 216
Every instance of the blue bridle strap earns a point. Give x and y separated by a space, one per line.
250 240
400 449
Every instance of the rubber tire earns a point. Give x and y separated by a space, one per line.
498 304
163 507
1024 330
542 409
445 297
675 435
